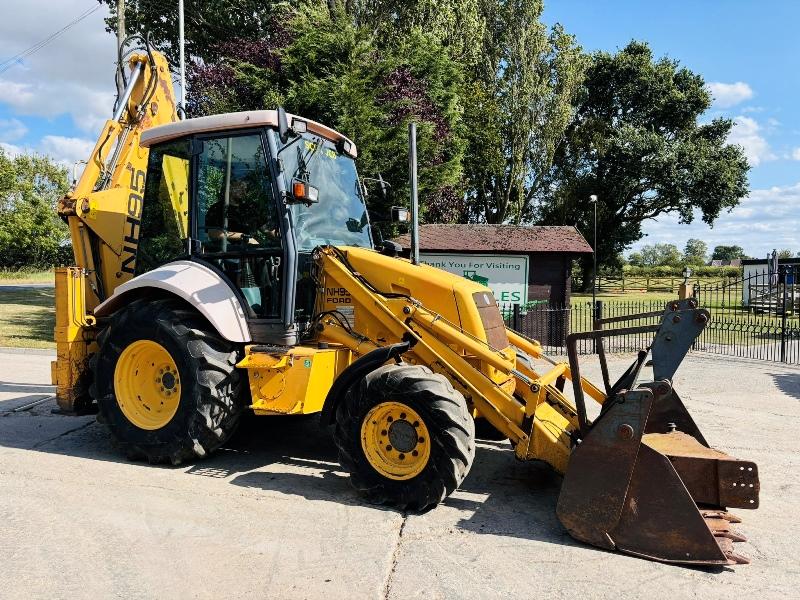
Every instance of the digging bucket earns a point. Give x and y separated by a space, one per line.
643 481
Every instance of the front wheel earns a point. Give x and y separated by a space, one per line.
405 436
166 384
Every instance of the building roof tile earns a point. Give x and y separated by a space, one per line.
498 238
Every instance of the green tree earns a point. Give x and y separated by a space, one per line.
695 252
348 70
207 22
728 253
657 255
518 102
785 253
30 231
636 143
484 74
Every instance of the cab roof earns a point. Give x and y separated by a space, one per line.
232 122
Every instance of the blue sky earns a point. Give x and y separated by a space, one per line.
749 53
56 100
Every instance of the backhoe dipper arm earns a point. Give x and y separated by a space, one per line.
103 210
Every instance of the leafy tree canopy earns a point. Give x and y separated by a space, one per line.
30 231
657 255
490 88
635 142
695 252
728 253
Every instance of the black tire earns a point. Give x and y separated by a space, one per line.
211 399
446 416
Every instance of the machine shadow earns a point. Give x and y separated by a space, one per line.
500 496
507 497
293 456
788 383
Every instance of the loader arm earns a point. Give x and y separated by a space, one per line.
640 478
103 213
521 403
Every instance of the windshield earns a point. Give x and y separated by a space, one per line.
340 216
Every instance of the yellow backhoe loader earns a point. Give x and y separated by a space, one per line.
226 264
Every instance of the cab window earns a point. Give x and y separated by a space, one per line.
165 210
235 206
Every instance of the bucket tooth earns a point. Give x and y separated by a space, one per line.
721 528
721 514
733 558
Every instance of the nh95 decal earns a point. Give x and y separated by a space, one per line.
133 221
337 295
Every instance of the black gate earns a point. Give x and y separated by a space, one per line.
757 316
754 316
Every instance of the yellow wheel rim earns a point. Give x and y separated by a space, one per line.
395 440
147 385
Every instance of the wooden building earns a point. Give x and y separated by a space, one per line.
547 250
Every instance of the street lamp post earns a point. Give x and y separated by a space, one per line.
595 316
593 200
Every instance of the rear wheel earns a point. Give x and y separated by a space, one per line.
166 385
405 436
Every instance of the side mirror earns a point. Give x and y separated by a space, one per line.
383 185
303 192
400 214
283 125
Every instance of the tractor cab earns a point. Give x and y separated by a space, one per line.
251 194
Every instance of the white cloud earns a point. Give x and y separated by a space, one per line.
766 219
64 150
796 154
746 133
73 75
11 150
12 129
729 94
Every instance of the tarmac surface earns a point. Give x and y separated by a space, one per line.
272 516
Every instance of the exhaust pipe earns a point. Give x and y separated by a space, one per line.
412 179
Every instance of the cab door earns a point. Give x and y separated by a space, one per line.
237 227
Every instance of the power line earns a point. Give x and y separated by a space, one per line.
7 64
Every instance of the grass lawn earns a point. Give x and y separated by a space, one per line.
21 277
27 318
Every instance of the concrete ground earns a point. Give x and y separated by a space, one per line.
272 516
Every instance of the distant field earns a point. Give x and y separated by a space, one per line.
27 317
21 277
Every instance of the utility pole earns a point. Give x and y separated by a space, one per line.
120 39
182 113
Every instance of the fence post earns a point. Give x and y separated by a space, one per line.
515 317
597 313
782 281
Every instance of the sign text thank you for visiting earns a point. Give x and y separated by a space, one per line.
506 275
